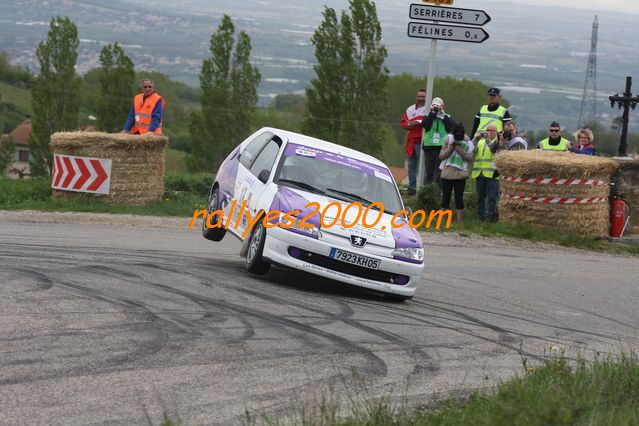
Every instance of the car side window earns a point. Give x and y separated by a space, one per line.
266 158
250 153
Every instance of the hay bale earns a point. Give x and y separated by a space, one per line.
137 162
626 179
591 219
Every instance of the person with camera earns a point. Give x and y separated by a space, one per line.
411 121
455 155
485 175
509 141
437 125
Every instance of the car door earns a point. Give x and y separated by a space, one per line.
259 157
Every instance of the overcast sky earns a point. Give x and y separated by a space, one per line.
628 6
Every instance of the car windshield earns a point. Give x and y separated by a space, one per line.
338 176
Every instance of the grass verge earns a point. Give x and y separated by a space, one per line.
183 195
604 391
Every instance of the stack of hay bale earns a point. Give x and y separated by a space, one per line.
137 162
557 190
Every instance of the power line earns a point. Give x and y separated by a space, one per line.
591 79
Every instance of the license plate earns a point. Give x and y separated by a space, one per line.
354 259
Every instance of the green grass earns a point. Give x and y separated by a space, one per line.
35 194
604 391
428 199
175 161
20 97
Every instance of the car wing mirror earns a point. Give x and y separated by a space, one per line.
410 212
263 176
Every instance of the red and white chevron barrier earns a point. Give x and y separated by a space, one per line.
81 174
555 181
557 200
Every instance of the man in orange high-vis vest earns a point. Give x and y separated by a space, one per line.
146 112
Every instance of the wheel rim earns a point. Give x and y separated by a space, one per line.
254 245
212 207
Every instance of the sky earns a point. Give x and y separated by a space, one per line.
627 6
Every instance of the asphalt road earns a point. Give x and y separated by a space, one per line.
117 324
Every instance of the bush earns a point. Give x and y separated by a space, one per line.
429 198
194 183
13 192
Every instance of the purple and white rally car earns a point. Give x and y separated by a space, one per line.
328 212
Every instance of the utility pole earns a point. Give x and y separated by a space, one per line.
626 101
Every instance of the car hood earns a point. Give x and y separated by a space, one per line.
383 234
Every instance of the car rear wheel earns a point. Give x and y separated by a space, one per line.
254 261
213 234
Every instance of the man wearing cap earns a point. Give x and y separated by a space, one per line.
437 124
554 142
491 113
410 121
146 112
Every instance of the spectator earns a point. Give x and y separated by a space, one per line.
493 112
485 175
508 140
554 142
410 121
437 124
456 153
146 112
584 143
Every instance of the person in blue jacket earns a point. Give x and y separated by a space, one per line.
584 143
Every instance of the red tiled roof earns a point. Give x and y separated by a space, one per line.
20 134
399 173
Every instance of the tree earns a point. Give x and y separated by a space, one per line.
55 91
346 102
116 88
228 83
7 147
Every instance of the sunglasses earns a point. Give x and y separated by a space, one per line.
147 87
554 130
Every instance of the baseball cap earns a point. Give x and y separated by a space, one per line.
438 102
493 91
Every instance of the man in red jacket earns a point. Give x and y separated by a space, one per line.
411 121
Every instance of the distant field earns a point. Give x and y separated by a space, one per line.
21 98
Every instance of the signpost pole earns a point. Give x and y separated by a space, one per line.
429 99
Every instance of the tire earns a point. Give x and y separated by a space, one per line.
254 262
213 234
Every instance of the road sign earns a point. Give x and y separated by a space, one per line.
81 174
453 15
438 1
447 32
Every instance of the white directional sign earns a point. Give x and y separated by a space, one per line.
447 32
453 15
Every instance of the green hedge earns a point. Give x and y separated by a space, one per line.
194 183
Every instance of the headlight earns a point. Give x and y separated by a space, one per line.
308 228
412 254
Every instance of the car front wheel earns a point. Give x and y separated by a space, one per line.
213 234
254 261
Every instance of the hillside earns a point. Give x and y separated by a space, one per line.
541 67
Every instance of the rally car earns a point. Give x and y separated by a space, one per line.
323 208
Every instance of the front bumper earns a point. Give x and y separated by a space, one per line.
278 242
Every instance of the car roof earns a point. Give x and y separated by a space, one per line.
292 137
